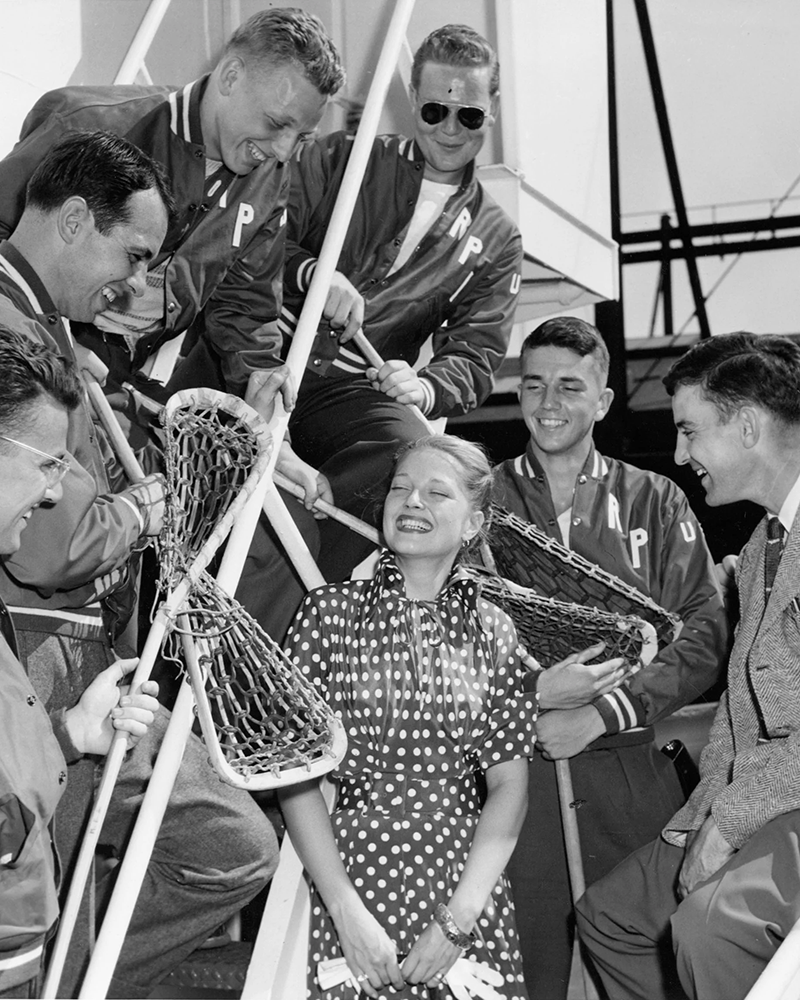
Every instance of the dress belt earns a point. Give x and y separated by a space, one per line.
395 793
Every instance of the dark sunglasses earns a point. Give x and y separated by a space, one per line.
433 113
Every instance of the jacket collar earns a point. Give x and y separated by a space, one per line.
27 280
529 466
185 111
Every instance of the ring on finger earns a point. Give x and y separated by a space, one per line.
362 978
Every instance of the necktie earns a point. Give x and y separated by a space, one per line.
772 554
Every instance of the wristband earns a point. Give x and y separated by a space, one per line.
444 918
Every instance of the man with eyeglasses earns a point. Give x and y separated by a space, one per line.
97 210
428 254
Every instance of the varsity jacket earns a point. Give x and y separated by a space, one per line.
33 776
750 768
639 526
77 551
227 241
459 286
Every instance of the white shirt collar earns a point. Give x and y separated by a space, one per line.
788 511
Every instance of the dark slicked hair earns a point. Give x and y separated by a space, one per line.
476 473
575 334
103 169
735 369
456 45
28 372
290 35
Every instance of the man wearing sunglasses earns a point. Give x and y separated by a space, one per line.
428 254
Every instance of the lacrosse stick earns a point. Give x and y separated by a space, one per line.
525 555
372 356
262 722
551 630
238 433
572 847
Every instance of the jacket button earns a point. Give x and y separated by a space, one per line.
31 699
198 154
171 307
576 521
193 208
317 362
581 479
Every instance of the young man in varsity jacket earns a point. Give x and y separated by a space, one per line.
428 255
637 525
223 141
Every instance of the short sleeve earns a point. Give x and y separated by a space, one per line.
511 732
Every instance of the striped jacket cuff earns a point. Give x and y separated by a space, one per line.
430 396
620 710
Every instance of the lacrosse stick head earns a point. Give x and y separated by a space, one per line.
550 629
262 721
216 449
526 556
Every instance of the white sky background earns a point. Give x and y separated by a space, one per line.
731 76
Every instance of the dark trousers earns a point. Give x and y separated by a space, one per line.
722 935
625 792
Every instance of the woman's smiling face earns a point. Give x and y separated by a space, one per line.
427 511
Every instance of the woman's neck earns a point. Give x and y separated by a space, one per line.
424 578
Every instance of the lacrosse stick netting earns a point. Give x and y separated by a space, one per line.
263 723
550 629
215 448
525 555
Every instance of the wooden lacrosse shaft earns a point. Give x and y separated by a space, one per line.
369 352
107 417
265 967
572 845
139 849
102 800
352 522
109 942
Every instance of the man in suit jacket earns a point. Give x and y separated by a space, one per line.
721 887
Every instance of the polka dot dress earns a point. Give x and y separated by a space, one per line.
428 694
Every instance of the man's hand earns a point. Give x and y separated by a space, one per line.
726 577
264 386
706 852
567 732
573 682
105 707
148 495
344 307
314 483
398 380
89 362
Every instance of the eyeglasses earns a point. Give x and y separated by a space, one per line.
433 113
56 468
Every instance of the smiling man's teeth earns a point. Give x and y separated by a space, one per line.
700 472
256 153
108 294
550 422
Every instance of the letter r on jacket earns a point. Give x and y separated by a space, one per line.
244 217
461 224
